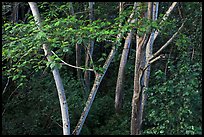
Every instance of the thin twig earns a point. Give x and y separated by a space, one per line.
90 57
192 54
153 60
70 64
168 60
5 87
9 98
56 122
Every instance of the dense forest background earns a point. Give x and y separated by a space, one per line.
30 103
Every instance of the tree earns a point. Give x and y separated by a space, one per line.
56 75
120 79
172 88
89 50
140 67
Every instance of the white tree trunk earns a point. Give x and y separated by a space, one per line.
57 78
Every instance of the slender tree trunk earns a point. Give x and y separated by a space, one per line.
78 58
119 86
95 87
121 72
78 55
93 92
89 50
15 12
77 47
78 61
56 75
71 9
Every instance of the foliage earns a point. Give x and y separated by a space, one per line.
30 104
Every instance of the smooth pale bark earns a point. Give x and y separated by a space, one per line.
123 61
166 15
56 75
95 87
89 50
93 92
120 79
149 46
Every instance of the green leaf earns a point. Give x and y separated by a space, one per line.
57 23
52 66
161 131
101 59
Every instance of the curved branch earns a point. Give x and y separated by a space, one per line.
70 64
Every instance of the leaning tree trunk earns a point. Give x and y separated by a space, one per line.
93 92
96 85
120 79
89 50
56 75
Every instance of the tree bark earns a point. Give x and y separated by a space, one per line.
89 50
123 61
56 75
95 87
165 18
71 9
15 12
120 79
152 13
135 127
93 92
141 78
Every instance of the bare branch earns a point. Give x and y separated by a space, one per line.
165 17
133 13
167 43
70 64
90 57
